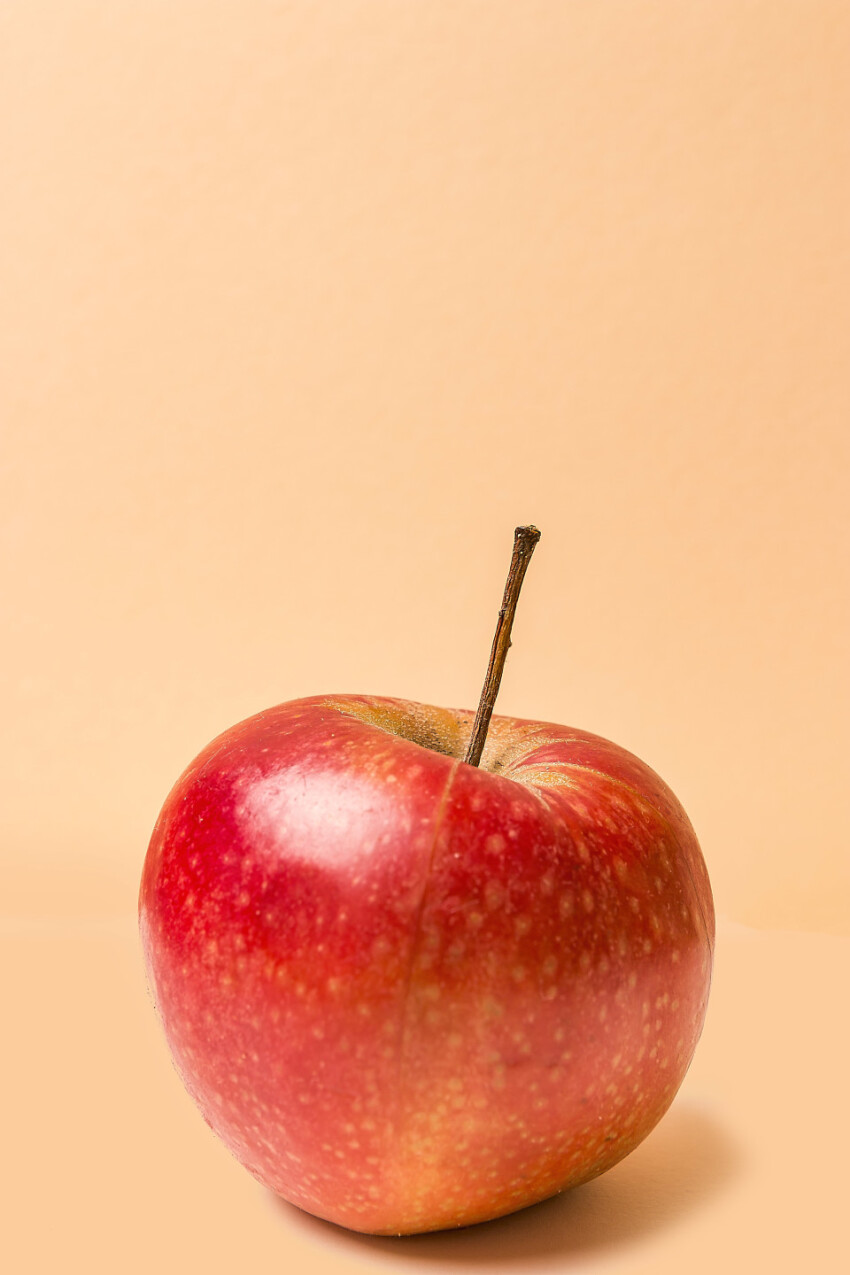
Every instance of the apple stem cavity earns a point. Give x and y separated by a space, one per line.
525 540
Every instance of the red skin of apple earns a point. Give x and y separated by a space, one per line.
409 993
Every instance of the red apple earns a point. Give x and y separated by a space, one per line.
412 993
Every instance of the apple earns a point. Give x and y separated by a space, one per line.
410 992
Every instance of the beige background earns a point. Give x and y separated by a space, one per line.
304 305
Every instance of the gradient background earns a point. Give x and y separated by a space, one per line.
304 306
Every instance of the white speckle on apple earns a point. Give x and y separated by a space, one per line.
494 896
566 905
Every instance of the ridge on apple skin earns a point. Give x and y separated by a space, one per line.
409 993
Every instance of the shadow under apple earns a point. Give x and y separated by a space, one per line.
688 1159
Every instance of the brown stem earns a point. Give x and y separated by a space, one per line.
525 538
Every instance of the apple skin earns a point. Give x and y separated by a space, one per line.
412 994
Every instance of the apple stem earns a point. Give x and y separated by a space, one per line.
525 539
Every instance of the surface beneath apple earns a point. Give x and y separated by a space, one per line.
410 993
